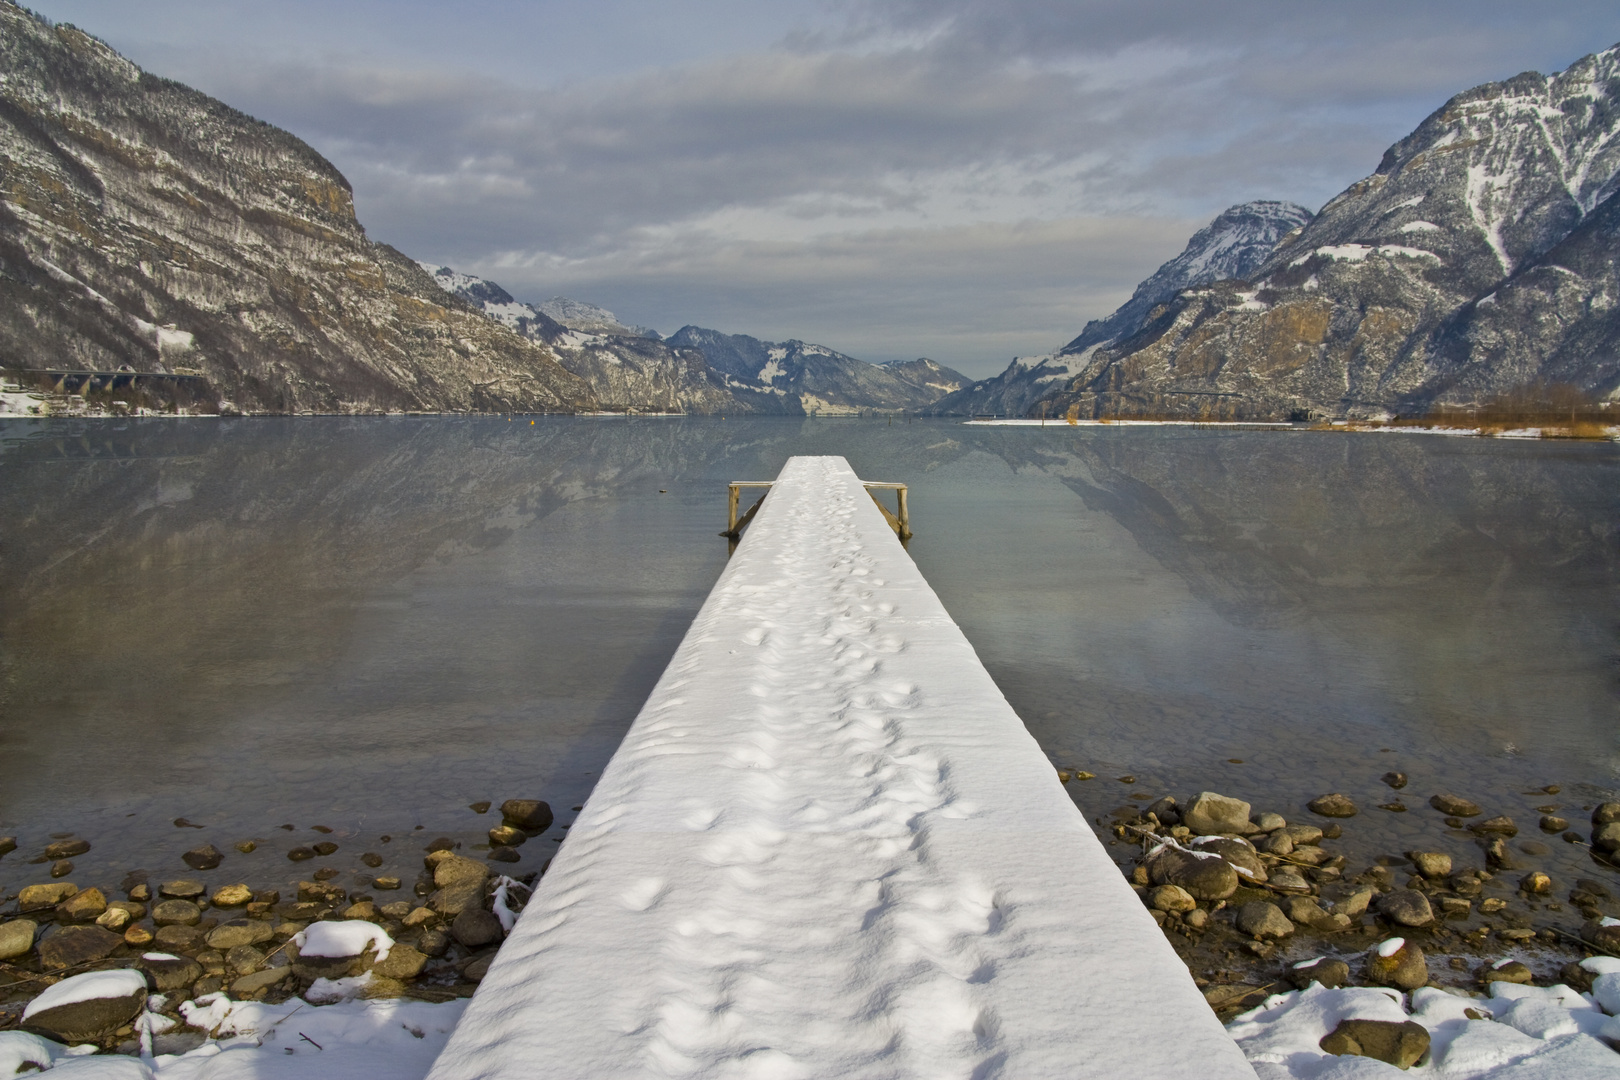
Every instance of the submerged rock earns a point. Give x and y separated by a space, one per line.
1333 806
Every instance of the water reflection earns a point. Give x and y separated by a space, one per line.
375 622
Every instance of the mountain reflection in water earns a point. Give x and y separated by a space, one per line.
374 622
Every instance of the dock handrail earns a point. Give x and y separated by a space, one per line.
900 523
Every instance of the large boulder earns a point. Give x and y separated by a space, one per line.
86 1008
1210 814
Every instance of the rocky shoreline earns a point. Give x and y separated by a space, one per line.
431 939
1253 903
1256 904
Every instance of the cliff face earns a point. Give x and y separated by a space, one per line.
1480 257
145 224
1236 243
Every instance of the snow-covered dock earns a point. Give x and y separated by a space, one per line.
828 848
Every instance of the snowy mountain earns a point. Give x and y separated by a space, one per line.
1234 245
797 377
626 367
1481 257
592 319
145 224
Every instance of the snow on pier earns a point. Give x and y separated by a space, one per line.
829 848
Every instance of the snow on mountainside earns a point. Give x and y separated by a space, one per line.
145 224
1234 245
1480 258
797 377
627 368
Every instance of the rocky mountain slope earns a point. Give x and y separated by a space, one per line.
1479 259
626 369
1234 245
795 377
145 224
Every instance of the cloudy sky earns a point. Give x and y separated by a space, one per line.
963 179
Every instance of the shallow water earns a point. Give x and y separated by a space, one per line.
369 624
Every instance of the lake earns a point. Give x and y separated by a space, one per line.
369 624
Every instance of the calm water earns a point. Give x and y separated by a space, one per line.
369 624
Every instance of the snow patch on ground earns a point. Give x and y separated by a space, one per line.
1517 1033
351 937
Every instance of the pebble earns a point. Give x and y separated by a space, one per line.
176 913
1269 822
386 884
1536 882
1551 823
403 962
1263 919
1511 972
507 836
246 847
530 815
1333 806
372 859
325 848
1406 907
1405 969
1501 825
66 849
184 889
1290 882
137 937
1431 864
300 853
480 807
17 938
1171 898
62 868
1396 780
231 896
474 927
1454 805
1210 814
8 844
84 906
203 858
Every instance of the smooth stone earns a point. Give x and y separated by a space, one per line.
137 937
178 937
236 932
209 985
1263 919
246 847
449 869
170 973
1205 878
530 815
480 807
1303 910
75 945
114 919
397 910
325 848
203 858
1270 822
1501 825
1606 837
378 988
385 884
364 911
1405 969
1171 898
1511 972
1496 854
474 927
259 980
1431 864
1165 809
1399 1044
372 859
1240 853
1406 907
1332 806
17 938
1196 918
1551 823
1210 814
66 849
507 836
1396 780
1349 898
1278 844
232 896
1536 882
85 906
326 967
1304 835
38 897
244 959
1289 881
62 868
89 1021
402 962
1454 805
434 942
300 853
8 844
476 970
1330 973
418 916
176 912
183 889
1605 813
1604 937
